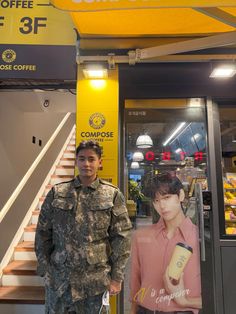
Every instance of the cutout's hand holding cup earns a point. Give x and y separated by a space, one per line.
179 259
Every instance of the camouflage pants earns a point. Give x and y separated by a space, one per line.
64 305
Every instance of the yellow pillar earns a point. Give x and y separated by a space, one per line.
97 118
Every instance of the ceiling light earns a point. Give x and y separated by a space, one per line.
134 165
233 139
180 127
178 150
224 71
144 141
138 156
95 72
196 137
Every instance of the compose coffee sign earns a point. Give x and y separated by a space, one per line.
34 22
35 38
37 62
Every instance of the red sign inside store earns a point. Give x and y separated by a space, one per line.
150 156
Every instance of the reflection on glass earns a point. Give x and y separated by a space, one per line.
183 156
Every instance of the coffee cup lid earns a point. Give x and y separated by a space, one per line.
186 246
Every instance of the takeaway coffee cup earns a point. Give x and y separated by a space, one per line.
179 259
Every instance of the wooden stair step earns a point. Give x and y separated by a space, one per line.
67 162
25 246
47 189
67 158
69 151
22 295
36 212
24 268
62 176
30 228
65 167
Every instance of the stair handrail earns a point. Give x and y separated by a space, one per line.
26 177
19 233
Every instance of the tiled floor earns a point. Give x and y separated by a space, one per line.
140 223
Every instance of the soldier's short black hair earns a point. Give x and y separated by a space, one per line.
165 183
90 145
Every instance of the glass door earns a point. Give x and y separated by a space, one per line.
226 148
227 116
165 160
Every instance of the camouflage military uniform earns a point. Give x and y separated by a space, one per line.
82 241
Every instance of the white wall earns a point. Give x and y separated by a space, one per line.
32 101
22 116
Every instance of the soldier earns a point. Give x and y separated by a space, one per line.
82 238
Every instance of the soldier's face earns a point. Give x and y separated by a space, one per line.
88 163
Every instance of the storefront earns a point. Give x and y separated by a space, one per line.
188 121
163 128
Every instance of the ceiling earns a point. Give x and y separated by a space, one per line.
178 80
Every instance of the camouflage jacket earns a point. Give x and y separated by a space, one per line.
82 237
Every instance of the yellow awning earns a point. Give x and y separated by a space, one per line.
173 21
96 5
163 18
153 22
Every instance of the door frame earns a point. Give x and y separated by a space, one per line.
214 167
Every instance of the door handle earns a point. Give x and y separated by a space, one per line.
200 209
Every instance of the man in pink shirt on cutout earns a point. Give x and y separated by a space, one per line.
152 290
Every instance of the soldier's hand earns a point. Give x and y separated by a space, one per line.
115 287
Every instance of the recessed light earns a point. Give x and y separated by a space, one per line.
223 71
95 72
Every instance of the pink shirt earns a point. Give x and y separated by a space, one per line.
150 255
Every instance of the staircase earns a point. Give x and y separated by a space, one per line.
19 282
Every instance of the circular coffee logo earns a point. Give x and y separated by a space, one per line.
8 55
97 120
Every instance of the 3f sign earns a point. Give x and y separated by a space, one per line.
32 25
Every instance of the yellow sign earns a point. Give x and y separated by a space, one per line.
97 119
34 22
101 5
